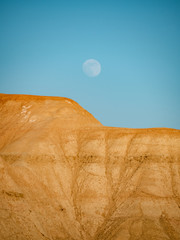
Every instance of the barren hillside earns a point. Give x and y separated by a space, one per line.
64 176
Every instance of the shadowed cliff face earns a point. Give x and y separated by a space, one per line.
64 176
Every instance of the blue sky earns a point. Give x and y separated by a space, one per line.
43 44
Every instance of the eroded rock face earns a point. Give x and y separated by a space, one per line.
64 176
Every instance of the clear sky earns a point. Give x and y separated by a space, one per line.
43 44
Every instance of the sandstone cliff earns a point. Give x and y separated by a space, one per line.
64 176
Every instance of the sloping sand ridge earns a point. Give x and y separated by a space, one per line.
64 176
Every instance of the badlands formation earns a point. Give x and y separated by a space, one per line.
64 176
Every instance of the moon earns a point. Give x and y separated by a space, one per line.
91 67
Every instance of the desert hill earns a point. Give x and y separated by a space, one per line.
65 176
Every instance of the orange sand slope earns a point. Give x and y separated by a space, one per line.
64 176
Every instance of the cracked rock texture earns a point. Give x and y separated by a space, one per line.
64 176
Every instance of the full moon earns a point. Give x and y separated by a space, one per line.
91 68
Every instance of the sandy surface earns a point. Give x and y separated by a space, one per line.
64 176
